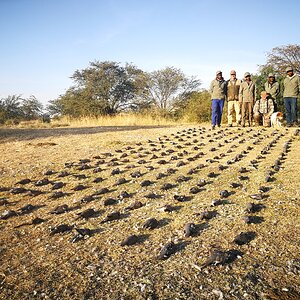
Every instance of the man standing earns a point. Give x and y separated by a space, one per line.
218 94
247 97
233 86
263 110
291 85
272 88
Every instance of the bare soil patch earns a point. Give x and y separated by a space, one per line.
102 173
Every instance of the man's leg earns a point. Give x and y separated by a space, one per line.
294 110
214 111
221 105
287 107
230 112
237 111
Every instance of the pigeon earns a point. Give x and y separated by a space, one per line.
152 196
130 240
224 194
79 187
87 199
110 201
257 196
98 179
61 228
243 177
181 198
124 195
57 185
18 190
42 182
216 202
8 214
135 205
166 208
60 209
195 190
189 229
57 195
116 215
102 191
263 189
167 186
27 208
252 219
120 181
82 233
145 183
167 250
201 182
34 221
3 201
63 174
217 257
115 171
24 181
234 185
151 223
207 215
86 214
160 175
244 238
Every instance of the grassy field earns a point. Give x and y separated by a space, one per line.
108 169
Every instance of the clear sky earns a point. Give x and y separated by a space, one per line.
44 41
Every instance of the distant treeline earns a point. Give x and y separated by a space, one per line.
108 88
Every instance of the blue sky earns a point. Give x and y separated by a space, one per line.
44 41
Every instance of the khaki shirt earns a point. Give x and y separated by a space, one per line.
272 89
247 92
291 86
218 89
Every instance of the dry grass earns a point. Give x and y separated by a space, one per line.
129 119
36 265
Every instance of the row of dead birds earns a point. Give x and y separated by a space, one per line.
59 184
152 223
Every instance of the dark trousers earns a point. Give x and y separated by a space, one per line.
290 105
217 110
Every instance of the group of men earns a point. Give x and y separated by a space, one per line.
241 98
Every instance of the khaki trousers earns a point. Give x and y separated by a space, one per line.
247 113
233 109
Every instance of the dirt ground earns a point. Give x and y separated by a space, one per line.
177 174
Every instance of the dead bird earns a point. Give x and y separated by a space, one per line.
220 257
243 177
8 214
98 179
167 186
252 208
79 187
42 182
224 194
135 205
61 228
161 175
257 196
24 181
167 250
130 240
151 223
57 185
181 198
244 237
216 202
60 209
102 191
18 190
263 189
82 233
136 174
201 182
195 190
87 199
145 183
166 208
86 214
152 196
116 215
207 214
235 185
125 195
27 208
120 181
252 219
183 178
3 201
110 201
189 229
57 195
34 221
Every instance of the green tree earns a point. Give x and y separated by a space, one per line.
31 108
10 108
169 86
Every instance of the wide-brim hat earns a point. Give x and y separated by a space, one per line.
247 74
288 69
218 72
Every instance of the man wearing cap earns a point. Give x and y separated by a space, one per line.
218 94
272 88
291 91
233 86
247 97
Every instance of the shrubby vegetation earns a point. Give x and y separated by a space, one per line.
107 88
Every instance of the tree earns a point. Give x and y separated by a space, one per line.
281 57
169 85
104 87
31 108
10 108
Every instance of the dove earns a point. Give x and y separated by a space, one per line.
151 223
244 238
130 240
167 250
61 228
115 215
189 229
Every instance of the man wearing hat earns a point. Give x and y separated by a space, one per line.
247 97
218 94
233 86
272 88
291 91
